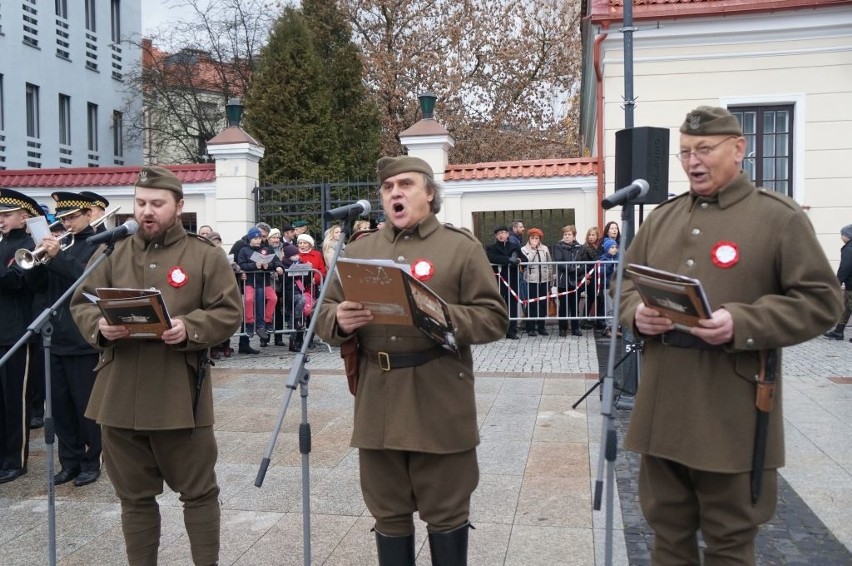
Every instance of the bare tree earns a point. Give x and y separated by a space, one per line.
190 70
506 73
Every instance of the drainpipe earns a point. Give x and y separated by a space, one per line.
599 98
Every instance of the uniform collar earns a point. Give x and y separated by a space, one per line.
729 195
426 227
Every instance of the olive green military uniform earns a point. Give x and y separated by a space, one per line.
406 416
757 256
145 389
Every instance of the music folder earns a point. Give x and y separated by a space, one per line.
143 311
395 297
679 298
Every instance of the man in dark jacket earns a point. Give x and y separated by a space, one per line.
844 275
16 300
506 257
72 360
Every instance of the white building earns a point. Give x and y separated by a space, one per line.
62 64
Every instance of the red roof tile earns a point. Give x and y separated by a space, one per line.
536 168
98 176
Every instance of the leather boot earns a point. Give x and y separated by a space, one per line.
450 548
837 333
395 551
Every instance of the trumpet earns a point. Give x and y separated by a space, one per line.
27 259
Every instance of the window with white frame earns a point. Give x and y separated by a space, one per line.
92 122
768 130
32 111
90 16
115 19
117 134
64 119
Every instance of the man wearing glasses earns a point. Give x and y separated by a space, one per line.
695 419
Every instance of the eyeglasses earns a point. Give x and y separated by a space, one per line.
71 217
700 152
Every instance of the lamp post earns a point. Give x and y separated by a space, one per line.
234 112
427 104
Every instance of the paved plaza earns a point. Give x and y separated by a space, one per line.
538 463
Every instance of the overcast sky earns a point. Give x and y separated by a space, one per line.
159 12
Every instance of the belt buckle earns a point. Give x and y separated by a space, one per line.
384 361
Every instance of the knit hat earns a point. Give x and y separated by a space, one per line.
305 238
274 232
535 232
846 231
253 233
607 244
711 121
153 177
390 166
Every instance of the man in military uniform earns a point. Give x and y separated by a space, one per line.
150 396
16 300
695 418
415 411
72 360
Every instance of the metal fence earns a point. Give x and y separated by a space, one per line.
277 204
561 291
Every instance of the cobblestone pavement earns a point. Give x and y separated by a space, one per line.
796 535
538 464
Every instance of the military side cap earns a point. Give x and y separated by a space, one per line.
390 166
69 203
97 199
11 200
300 223
153 177
711 121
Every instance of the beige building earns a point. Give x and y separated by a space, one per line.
785 68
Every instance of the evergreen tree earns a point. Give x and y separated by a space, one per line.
307 104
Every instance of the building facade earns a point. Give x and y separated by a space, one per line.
62 89
783 67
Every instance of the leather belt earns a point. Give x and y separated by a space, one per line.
680 339
388 361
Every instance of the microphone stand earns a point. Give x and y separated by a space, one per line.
299 375
42 325
609 440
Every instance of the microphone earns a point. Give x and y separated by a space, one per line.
636 189
127 229
360 208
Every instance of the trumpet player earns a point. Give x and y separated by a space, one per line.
72 359
99 206
16 300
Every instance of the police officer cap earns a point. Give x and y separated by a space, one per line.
153 177
390 166
711 121
11 200
69 203
499 229
97 199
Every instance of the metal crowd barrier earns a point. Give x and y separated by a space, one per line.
282 302
587 299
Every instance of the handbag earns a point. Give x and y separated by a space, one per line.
552 307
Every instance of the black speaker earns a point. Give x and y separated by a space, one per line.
643 153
